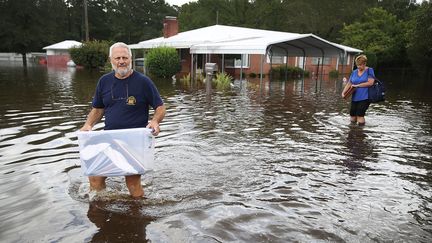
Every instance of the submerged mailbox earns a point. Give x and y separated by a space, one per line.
116 152
211 68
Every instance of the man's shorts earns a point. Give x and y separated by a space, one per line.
358 108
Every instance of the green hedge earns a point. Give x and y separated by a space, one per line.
92 54
334 74
293 72
163 61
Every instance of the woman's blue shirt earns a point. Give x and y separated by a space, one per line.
361 93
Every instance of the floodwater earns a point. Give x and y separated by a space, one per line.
260 162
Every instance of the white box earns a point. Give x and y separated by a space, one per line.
116 152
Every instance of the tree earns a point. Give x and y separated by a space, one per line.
322 18
136 20
100 27
29 25
420 38
401 8
378 32
203 13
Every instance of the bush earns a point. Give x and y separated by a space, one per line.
92 54
223 80
334 74
293 72
185 78
252 75
199 75
163 61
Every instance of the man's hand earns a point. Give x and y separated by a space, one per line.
86 128
93 117
154 125
157 118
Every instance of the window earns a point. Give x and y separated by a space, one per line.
276 59
235 60
317 60
300 61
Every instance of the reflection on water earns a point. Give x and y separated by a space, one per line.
128 226
359 148
261 162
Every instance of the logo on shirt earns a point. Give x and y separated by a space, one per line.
131 100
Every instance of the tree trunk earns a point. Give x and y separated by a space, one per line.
24 59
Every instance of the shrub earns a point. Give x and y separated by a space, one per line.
252 75
223 80
200 75
334 74
92 54
185 78
293 72
163 61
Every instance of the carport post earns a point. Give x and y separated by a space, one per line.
223 63
261 68
241 67
191 67
304 69
286 66
322 65
271 65
343 63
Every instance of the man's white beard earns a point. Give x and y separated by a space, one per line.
122 72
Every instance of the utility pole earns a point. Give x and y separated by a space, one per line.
86 21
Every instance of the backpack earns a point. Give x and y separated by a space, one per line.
376 91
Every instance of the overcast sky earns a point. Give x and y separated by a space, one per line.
178 2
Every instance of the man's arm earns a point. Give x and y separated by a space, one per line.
158 116
93 117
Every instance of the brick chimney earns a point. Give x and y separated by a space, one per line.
170 26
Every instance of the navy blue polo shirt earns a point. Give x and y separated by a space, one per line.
126 101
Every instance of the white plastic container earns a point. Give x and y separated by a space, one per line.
116 152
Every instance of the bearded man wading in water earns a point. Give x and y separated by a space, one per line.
124 97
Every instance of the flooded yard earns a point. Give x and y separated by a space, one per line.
260 162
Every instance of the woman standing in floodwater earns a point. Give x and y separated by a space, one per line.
361 79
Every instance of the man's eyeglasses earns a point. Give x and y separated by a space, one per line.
119 94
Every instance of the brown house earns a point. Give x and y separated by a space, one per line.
239 50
